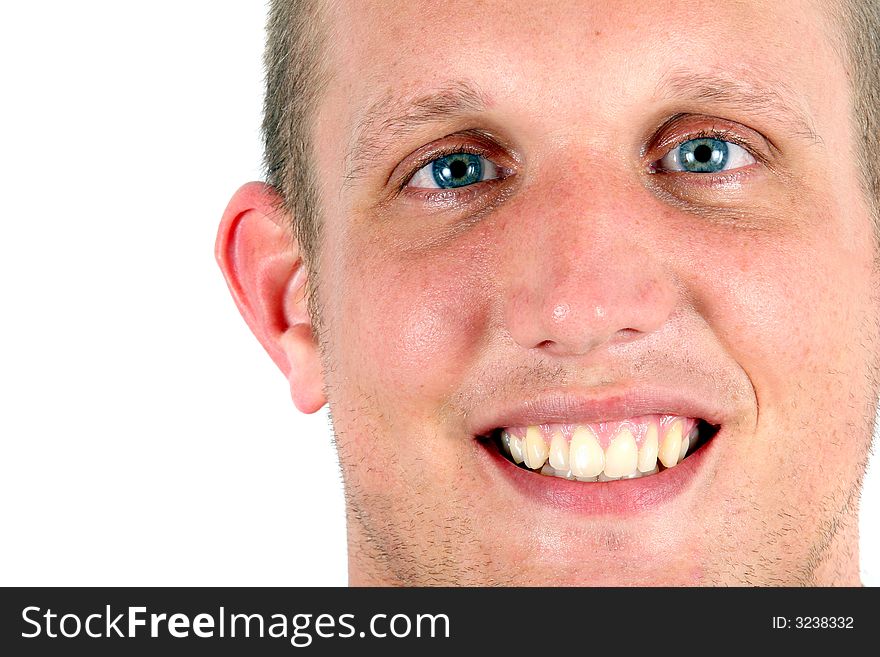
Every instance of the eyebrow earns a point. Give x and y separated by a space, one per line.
389 119
774 102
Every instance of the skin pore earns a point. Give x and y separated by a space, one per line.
586 269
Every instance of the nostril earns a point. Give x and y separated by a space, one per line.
545 344
627 334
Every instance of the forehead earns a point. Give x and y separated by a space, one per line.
392 49
424 31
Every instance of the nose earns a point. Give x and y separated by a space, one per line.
587 270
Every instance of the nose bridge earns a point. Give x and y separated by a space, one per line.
587 271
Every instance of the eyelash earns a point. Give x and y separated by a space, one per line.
672 143
705 133
452 149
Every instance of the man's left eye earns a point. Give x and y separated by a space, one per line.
705 155
455 170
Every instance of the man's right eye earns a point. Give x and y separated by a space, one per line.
454 170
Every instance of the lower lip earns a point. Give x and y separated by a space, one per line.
620 497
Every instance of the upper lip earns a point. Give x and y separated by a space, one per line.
573 406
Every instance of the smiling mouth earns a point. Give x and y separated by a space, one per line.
604 451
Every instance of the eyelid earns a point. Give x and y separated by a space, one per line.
673 133
488 168
444 152
475 142
735 155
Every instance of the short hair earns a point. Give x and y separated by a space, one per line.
859 32
296 74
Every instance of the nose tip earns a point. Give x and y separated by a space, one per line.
559 319
581 312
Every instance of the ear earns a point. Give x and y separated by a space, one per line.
267 278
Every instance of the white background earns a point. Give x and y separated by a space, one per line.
146 437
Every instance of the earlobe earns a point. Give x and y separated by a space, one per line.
267 279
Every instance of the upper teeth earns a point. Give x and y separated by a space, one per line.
604 451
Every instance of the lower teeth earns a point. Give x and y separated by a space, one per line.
549 471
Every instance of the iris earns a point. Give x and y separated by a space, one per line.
457 170
703 155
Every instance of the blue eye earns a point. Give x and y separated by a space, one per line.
455 170
706 155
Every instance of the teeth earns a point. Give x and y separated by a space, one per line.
586 457
671 446
622 455
545 449
648 451
559 452
505 442
685 446
516 449
535 449
688 442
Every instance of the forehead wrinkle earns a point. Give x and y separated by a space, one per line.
391 118
772 100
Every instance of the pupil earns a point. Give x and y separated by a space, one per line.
702 153
458 168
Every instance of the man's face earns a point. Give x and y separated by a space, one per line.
658 226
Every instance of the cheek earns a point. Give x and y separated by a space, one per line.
764 308
791 312
420 318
